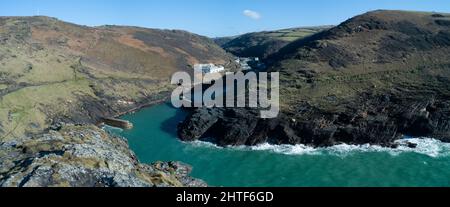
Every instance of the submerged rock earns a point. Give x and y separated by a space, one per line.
83 156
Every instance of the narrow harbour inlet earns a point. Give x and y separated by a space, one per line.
154 138
225 103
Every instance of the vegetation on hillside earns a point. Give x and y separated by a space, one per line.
263 44
52 71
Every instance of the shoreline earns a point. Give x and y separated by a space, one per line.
163 145
138 108
133 110
401 143
394 145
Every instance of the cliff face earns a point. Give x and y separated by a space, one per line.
83 156
372 79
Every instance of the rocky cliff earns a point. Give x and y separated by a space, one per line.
372 79
83 156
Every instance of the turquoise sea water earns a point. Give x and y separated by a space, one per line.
154 139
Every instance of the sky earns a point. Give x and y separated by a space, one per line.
213 18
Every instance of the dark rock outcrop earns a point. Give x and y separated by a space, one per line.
379 120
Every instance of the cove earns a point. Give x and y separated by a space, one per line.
154 138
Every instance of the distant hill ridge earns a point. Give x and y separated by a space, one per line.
263 44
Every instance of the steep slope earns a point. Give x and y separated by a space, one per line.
372 79
263 44
374 52
52 71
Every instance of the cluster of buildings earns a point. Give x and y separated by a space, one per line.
248 63
209 68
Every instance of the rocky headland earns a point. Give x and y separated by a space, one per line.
371 80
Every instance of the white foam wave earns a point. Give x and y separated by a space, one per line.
287 149
425 146
204 144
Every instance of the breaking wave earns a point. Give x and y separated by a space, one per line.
426 146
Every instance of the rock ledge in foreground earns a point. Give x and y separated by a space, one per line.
84 156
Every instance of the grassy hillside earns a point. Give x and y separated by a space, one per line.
263 44
377 52
53 71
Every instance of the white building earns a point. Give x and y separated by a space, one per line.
208 68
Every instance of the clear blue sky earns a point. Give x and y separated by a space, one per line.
211 17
